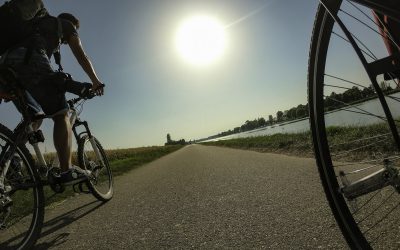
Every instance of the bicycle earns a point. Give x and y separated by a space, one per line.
22 179
358 164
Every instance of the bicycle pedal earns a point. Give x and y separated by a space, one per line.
78 188
5 203
57 188
3 224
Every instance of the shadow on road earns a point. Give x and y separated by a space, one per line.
58 223
61 221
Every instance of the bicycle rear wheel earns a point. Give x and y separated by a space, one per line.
21 222
91 156
353 135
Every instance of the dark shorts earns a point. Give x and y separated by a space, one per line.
37 79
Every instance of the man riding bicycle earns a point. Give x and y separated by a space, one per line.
31 60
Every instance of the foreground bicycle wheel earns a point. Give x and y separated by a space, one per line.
21 221
358 161
101 183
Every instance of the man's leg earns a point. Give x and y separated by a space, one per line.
62 136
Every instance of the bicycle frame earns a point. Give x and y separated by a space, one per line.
42 164
378 67
41 160
386 7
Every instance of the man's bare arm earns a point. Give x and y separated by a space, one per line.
76 46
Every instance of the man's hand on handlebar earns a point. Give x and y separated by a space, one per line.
98 88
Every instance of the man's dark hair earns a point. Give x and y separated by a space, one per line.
71 18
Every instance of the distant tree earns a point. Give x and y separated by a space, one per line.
368 92
172 142
261 122
285 115
271 119
169 138
301 111
291 114
279 116
331 102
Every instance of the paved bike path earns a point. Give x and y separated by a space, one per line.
202 197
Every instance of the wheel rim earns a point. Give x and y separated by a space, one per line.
347 148
101 179
24 214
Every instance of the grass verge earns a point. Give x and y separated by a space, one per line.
121 161
124 160
292 144
350 143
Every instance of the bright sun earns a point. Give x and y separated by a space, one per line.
201 40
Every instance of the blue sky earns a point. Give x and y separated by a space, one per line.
151 91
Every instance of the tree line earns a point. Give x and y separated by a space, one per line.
172 142
332 102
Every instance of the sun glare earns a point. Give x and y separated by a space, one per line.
201 40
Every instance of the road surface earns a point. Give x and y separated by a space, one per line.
204 198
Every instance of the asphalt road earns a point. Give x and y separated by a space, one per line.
202 198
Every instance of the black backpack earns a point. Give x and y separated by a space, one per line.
17 18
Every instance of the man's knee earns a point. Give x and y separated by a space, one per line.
61 118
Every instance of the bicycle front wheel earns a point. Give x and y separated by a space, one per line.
22 203
354 124
91 156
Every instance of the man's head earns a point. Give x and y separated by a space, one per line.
71 18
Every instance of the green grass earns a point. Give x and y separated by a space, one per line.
295 144
121 161
343 138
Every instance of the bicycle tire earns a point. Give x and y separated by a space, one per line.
86 161
320 43
36 222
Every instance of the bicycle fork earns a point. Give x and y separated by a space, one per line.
76 123
96 150
388 175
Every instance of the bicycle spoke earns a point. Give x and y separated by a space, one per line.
384 233
359 140
344 80
338 87
345 39
380 23
352 126
375 209
394 98
362 111
355 149
367 202
363 163
383 218
362 22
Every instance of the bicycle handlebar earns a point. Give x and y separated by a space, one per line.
90 95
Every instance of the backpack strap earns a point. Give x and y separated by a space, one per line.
57 54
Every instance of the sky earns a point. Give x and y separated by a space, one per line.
151 91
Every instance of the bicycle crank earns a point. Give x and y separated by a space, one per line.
388 175
5 210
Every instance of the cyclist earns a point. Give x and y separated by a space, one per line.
31 60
